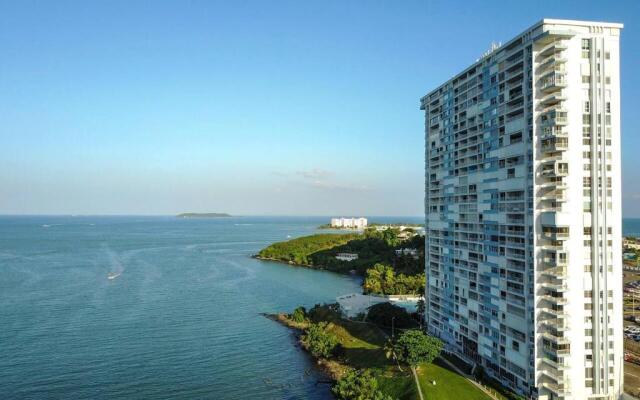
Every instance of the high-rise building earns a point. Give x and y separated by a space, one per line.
523 221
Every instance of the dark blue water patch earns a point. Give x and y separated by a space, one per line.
181 320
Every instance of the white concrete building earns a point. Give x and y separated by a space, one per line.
353 223
523 198
346 257
407 252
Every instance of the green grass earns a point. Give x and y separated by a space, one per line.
363 347
449 385
399 385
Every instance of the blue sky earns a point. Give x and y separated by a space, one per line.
247 107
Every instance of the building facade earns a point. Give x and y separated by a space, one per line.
523 222
355 223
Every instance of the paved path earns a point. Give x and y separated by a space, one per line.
415 375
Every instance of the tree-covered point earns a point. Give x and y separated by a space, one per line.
372 247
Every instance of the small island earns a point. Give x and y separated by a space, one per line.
203 215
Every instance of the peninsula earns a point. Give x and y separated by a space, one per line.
391 261
203 215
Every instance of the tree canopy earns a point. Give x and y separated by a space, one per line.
319 341
387 314
414 347
382 279
358 385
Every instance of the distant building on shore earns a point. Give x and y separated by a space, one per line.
631 243
346 256
355 223
408 252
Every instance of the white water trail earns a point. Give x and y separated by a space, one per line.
116 267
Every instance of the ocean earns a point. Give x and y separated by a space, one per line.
181 317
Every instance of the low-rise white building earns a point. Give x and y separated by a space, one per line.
355 223
346 256
407 252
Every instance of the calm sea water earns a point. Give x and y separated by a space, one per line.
181 321
631 226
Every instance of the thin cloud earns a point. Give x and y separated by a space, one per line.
315 174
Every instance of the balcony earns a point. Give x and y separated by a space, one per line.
557 287
555 232
553 116
554 168
559 390
549 132
558 364
553 81
552 48
556 195
554 144
551 61
558 301
553 98
557 338
554 258
557 313
559 272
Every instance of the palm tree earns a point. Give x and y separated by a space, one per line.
390 352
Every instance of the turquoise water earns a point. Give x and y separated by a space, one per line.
631 226
182 320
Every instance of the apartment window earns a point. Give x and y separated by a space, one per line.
586 47
607 55
587 107
586 79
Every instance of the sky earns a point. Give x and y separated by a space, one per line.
248 107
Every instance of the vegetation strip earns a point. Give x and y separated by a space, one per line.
365 364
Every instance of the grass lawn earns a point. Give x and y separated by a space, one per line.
400 386
449 385
363 347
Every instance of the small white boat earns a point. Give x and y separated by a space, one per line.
113 275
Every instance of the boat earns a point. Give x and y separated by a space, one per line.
113 275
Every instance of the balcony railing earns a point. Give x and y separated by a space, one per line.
553 81
552 48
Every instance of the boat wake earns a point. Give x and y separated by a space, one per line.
113 275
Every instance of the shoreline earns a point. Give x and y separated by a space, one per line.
330 369
308 266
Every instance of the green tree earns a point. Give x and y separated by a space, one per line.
358 385
387 315
414 347
319 341
382 279
390 237
299 314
